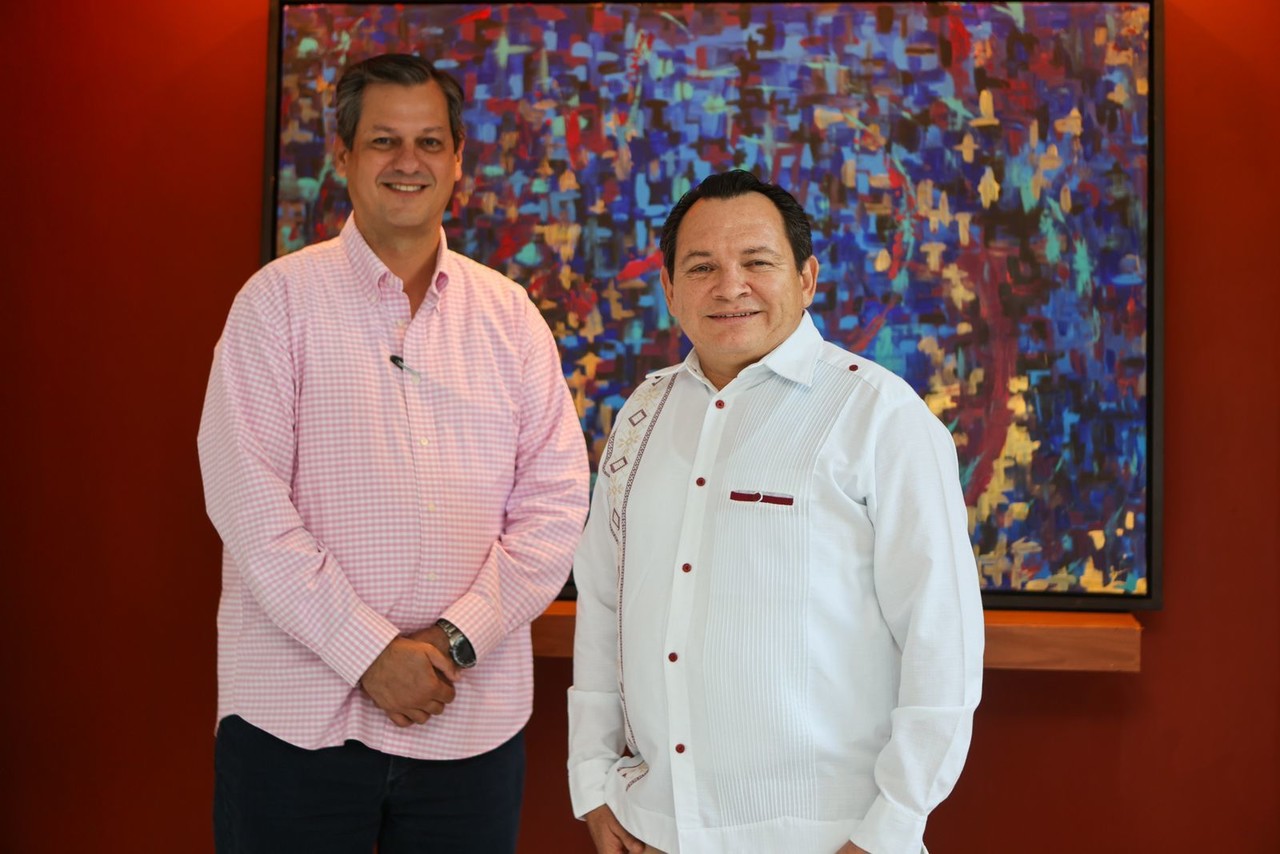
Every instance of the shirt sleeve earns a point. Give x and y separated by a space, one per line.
247 457
596 735
926 582
529 563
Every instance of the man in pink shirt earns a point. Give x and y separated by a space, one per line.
392 460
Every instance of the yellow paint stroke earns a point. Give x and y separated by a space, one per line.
989 188
1072 124
1051 160
967 148
569 181
986 110
849 173
873 139
1064 199
933 255
1018 450
882 206
882 261
592 329
562 237
590 361
962 222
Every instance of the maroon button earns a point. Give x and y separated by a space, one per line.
679 748
853 367
687 567
672 657
702 481
719 404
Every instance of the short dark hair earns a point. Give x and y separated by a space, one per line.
730 185
403 69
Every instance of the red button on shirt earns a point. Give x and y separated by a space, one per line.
687 567
719 404
853 367
672 657
679 748
702 481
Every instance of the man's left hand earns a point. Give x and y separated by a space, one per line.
435 636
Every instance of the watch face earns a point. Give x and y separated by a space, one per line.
464 654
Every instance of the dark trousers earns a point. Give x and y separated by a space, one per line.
271 797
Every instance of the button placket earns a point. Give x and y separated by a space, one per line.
681 615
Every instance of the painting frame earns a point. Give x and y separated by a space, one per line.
1147 424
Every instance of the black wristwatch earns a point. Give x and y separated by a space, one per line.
464 654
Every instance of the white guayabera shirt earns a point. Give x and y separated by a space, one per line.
779 632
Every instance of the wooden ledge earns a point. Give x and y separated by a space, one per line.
1016 640
1063 640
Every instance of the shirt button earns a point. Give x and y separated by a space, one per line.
672 657
679 748
424 441
687 567
431 576
719 404
853 367
431 507
702 481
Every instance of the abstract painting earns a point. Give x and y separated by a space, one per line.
980 178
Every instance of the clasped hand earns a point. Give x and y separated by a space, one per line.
411 680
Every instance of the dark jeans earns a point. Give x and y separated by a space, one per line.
275 798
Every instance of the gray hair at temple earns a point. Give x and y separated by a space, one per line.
402 69
730 185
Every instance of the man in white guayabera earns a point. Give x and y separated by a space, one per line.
779 632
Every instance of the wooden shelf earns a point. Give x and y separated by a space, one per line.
1063 640
1016 640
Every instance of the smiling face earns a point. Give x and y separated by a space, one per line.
402 163
735 288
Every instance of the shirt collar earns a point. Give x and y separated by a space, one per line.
373 276
793 359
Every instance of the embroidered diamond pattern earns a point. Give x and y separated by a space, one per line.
638 417
617 520
617 465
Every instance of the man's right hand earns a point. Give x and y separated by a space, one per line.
410 681
609 835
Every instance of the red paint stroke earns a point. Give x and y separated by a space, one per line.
1001 352
1091 190
484 13
511 241
549 12
961 48
897 256
638 267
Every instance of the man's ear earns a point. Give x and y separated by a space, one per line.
340 154
457 166
667 287
809 280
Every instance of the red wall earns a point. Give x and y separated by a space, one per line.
133 136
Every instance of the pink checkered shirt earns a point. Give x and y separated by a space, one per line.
357 500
